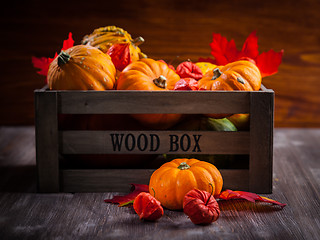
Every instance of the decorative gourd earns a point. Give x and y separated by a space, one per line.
174 179
206 66
103 38
240 75
81 68
150 75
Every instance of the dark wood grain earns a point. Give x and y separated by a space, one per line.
25 214
173 30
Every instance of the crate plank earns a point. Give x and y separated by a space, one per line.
261 136
124 102
47 146
154 142
102 180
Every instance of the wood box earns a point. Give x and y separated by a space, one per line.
51 142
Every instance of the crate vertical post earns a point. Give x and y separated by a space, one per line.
261 141
47 154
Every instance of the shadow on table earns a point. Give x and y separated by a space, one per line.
18 178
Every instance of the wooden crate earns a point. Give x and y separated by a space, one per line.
51 143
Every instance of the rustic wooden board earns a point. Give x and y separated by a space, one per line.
95 102
154 142
102 180
47 146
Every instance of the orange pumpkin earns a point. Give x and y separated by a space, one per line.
240 75
81 68
151 75
174 179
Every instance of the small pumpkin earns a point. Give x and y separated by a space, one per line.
174 179
151 75
81 68
240 75
104 37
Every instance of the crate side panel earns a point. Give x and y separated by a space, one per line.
261 138
119 180
103 180
154 142
47 147
128 102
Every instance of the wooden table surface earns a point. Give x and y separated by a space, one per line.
26 214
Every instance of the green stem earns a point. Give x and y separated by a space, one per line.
216 73
63 58
183 166
160 82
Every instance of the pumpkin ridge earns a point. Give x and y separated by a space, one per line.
96 84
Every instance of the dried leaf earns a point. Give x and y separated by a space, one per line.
251 197
129 198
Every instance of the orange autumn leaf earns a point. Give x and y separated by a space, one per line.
225 51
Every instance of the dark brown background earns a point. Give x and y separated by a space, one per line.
171 28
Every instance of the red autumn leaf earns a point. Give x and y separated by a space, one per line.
43 63
225 51
251 197
68 43
250 47
189 70
186 84
268 62
129 198
120 55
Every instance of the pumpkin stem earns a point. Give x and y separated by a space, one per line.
183 166
63 58
210 194
154 192
216 73
160 82
240 80
137 41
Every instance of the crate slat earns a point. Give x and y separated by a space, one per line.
154 142
129 102
102 180
47 146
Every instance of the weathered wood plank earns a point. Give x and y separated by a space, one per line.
261 141
154 142
102 180
47 146
113 102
